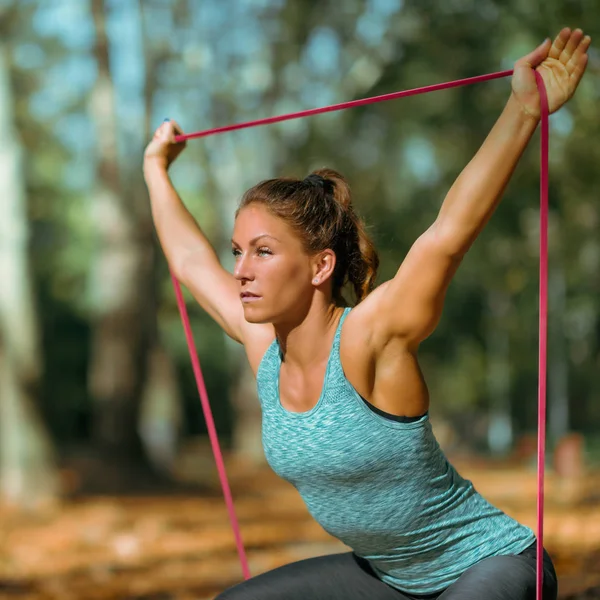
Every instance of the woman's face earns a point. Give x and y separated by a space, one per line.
271 265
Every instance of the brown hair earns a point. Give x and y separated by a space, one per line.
319 210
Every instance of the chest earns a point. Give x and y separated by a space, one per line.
334 445
337 446
389 378
300 391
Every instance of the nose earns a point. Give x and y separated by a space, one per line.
241 270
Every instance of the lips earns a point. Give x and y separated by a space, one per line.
248 295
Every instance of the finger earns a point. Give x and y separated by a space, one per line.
163 130
560 42
177 128
537 56
580 51
571 46
579 70
167 131
160 129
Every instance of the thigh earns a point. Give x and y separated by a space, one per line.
504 578
336 576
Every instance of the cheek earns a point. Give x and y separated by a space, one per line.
289 274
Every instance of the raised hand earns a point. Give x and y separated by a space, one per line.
163 147
561 64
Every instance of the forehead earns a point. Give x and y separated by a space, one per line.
256 218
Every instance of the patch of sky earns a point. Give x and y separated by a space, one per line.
71 21
256 76
198 56
316 94
80 170
371 28
74 130
561 122
373 23
293 127
164 107
29 56
125 50
213 15
322 52
386 8
158 22
131 120
197 104
65 83
265 3
242 41
418 155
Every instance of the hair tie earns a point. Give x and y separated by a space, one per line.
326 185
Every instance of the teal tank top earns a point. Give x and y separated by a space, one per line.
382 487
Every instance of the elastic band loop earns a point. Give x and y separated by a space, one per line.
543 312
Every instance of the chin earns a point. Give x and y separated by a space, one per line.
256 315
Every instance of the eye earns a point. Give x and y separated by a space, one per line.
235 252
263 251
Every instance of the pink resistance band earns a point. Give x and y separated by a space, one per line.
543 297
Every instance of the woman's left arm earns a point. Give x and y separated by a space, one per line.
413 299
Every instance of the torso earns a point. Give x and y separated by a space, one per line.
383 372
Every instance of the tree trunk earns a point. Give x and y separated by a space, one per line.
122 286
27 469
160 417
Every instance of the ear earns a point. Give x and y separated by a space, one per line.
323 266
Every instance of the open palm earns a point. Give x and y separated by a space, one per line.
561 64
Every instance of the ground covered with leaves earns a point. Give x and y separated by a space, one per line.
180 547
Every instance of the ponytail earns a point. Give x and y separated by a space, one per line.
362 259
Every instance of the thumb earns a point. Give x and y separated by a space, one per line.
534 58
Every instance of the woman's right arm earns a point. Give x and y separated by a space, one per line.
191 257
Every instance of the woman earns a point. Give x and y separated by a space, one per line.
345 406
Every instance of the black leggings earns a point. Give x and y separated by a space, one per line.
347 577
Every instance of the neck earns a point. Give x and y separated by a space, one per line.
308 341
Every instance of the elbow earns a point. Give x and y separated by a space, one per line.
179 266
451 240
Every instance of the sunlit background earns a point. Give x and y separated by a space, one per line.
106 476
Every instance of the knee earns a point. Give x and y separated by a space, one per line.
247 590
232 593
498 577
228 594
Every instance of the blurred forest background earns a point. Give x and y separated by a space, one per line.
97 394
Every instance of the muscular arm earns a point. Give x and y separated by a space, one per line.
414 298
412 301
